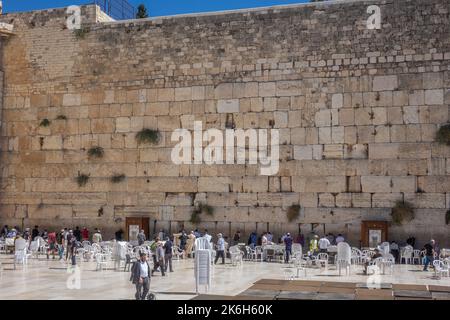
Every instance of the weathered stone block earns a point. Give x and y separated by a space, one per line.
383 83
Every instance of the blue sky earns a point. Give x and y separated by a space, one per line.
155 7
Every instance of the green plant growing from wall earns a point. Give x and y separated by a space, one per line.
117 178
82 179
148 136
44 123
81 33
96 152
293 212
205 208
402 212
443 135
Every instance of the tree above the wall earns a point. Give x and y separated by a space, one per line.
141 12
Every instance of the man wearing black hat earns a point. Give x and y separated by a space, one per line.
140 276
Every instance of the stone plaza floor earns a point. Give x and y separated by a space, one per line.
50 279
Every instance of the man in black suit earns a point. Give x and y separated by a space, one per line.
140 276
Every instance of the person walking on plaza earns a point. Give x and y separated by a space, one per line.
34 233
70 242
429 254
159 259
339 239
141 238
395 250
253 239
140 276
85 234
77 234
288 246
97 237
220 249
60 244
237 238
190 244
52 245
119 235
324 243
168 255
314 245
183 240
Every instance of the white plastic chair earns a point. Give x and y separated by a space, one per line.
417 256
343 257
440 268
322 259
406 254
21 252
236 255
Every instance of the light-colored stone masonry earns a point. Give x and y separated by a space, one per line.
357 111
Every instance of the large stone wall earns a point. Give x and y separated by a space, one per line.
357 111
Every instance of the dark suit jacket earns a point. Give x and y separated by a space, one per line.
136 271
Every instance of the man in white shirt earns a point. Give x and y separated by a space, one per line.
220 253
207 236
324 243
339 238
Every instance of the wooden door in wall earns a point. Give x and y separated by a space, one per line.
134 225
373 233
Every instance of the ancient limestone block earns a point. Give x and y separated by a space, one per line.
333 151
319 184
410 81
323 118
416 98
288 88
410 115
361 200
247 199
403 184
337 101
325 135
267 89
317 152
274 184
213 184
166 94
303 152
123 124
295 118
400 98
281 119
383 83
344 200
398 133
385 200
224 91
363 116
309 200
433 80
356 151
337 135
346 117
183 94
71 99
426 200
434 97
375 183
326 200
228 106
255 184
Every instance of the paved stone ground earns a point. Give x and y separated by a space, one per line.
49 279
